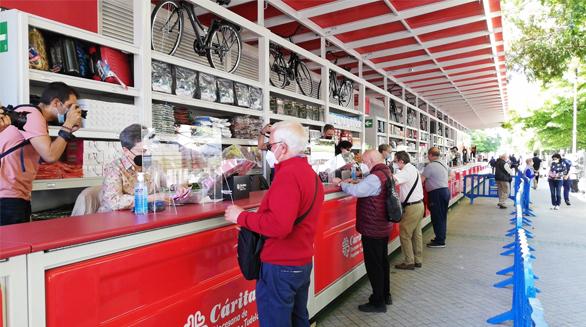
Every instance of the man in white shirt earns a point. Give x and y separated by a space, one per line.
411 196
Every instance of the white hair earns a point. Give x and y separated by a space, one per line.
292 134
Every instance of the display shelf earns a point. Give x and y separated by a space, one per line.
410 139
411 151
396 137
78 33
203 68
299 120
159 96
88 133
227 141
345 109
381 134
296 96
351 129
396 124
64 183
82 83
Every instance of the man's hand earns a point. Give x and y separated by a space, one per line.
73 120
337 181
232 213
4 121
267 129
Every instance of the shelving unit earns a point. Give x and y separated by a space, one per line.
299 120
206 105
66 183
82 84
88 134
296 96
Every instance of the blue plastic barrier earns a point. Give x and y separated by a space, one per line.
476 186
526 309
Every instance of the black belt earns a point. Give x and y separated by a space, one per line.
412 203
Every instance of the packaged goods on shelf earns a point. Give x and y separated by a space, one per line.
225 91
302 110
423 123
108 116
255 98
314 134
344 121
206 87
185 82
98 154
162 77
396 112
246 127
242 93
111 65
163 118
412 118
37 50
182 116
381 126
223 125
290 107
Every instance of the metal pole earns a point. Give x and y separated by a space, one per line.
575 120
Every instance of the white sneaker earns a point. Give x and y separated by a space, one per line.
556 208
553 208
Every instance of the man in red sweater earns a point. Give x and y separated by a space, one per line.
283 286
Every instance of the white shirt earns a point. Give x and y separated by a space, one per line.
405 179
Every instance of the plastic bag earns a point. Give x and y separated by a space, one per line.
256 99
206 87
242 95
185 82
225 91
162 77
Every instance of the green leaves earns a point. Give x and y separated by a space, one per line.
485 142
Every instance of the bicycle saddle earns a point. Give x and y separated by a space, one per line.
223 2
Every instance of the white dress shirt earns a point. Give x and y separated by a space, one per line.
405 179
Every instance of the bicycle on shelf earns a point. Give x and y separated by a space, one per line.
340 90
282 71
220 43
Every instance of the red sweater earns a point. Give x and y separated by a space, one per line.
288 198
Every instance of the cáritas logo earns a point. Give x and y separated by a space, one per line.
227 314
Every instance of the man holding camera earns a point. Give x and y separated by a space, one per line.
26 141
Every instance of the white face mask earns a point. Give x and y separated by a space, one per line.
396 166
365 169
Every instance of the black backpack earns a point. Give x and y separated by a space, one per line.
392 203
250 244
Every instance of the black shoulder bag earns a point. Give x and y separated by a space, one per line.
392 203
250 245
411 192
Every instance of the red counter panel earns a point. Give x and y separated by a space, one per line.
338 248
190 281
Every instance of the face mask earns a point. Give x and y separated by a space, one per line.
396 166
60 116
138 160
273 151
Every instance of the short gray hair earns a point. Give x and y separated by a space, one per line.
292 134
131 135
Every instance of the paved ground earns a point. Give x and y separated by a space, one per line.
454 287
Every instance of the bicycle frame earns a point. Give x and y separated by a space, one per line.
201 40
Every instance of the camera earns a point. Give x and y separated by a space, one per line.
18 119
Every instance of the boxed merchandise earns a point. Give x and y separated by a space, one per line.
302 110
185 82
246 127
163 119
162 77
225 91
206 87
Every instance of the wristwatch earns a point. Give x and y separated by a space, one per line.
67 136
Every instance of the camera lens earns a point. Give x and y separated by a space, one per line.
18 119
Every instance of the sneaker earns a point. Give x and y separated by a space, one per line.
568 203
433 244
369 307
502 206
405 266
556 208
553 208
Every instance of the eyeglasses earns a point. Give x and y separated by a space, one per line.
270 145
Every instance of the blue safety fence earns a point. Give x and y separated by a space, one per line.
526 309
484 186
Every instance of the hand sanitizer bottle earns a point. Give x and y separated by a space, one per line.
140 196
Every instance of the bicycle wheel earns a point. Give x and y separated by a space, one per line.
166 27
224 48
278 69
303 78
333 87
345 93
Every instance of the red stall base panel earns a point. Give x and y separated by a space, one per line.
193 281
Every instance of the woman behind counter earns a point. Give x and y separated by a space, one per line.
121 175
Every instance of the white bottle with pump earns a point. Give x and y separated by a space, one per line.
140 196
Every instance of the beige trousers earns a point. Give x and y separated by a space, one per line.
410 233
503 191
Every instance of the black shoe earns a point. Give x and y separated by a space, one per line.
369 307
405 266
502 206
388 299
419 265
435 245
568 203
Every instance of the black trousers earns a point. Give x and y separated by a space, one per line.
14 211
376 260
439 200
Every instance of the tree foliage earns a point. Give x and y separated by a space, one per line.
550 39
485 142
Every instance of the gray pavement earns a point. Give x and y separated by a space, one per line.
454 287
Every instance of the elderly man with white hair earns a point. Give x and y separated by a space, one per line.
296 192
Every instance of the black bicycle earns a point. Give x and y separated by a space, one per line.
220 43
283 72
340 90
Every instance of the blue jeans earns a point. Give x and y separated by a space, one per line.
439 201
555 188
567 186
281 295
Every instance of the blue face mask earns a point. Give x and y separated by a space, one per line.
61 118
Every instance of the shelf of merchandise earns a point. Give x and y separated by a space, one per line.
299 120
351 129
65 183
88 134
228 141
411 151
396 137
296 96
381 134
410 139
207 105
80 83
396 124
203 68
345 109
